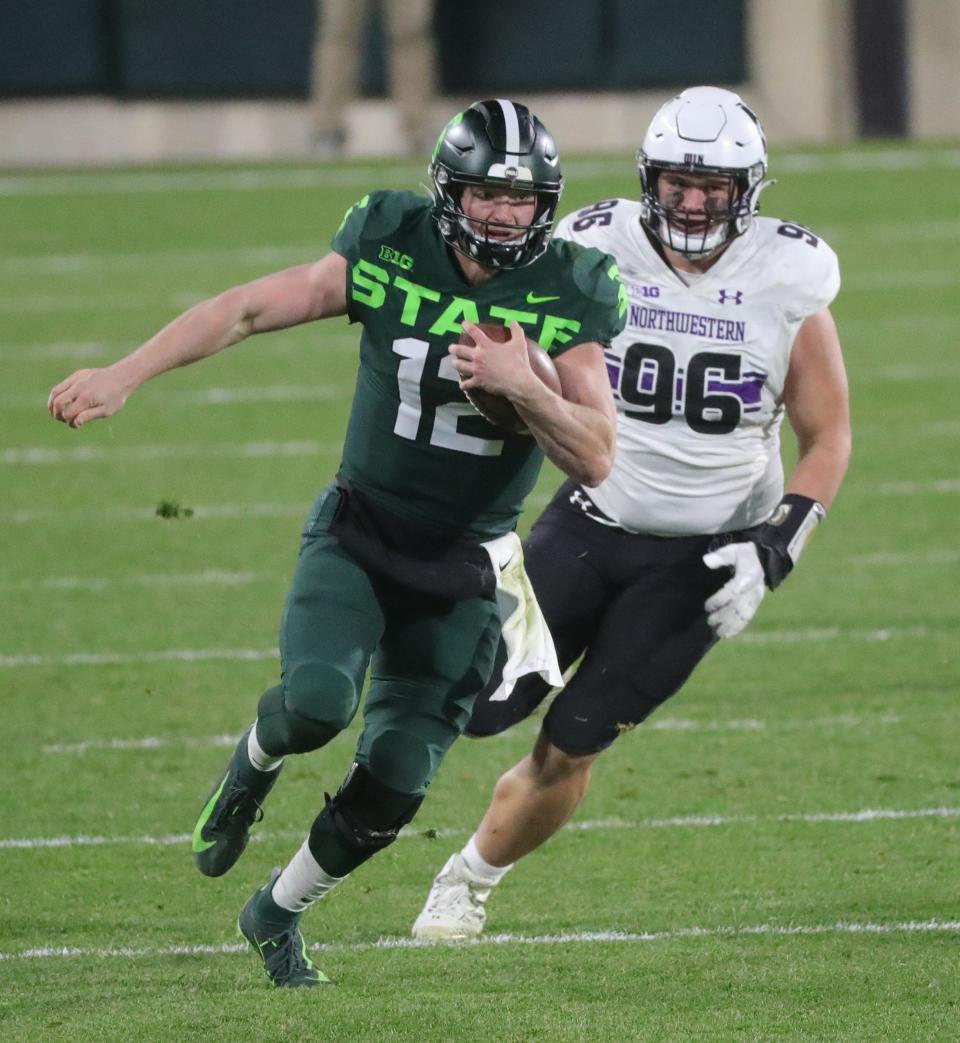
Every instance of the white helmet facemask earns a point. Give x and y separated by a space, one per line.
703 132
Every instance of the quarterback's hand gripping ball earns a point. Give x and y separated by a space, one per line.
498 409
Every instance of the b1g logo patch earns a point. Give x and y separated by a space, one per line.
404 261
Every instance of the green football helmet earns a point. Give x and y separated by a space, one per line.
501 144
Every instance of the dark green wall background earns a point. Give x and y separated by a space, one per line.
253 48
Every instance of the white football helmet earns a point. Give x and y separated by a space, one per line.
703 131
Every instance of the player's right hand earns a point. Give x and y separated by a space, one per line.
88 394
732 607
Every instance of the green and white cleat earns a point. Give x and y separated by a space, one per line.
274 934
223 828
454 910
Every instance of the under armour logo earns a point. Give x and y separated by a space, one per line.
731 295
579 500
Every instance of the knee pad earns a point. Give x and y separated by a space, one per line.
366 814
321 692
281 730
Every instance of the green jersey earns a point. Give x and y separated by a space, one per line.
414 443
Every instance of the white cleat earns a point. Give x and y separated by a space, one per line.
454 910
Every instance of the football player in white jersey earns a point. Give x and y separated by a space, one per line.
729 329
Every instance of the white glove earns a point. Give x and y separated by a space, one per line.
733 605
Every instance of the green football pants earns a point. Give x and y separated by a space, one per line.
428 660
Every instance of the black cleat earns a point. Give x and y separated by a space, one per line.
274 934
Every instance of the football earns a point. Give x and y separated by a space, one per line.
498 409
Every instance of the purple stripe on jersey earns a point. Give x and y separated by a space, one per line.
648 378
747 390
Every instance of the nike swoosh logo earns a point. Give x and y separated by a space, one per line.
199 844
533 299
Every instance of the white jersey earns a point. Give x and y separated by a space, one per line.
699 369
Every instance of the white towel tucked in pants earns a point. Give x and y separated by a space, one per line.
529 644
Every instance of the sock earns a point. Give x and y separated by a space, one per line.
258 758
479 866
303 882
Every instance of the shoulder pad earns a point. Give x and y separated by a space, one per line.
799 264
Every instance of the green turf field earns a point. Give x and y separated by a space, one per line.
773 856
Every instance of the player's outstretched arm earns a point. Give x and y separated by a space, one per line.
287 298
817 404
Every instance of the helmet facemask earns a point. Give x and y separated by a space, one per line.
697 234
496 145
705 132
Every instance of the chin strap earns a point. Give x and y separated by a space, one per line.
781 538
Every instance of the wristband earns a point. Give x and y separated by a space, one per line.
781 538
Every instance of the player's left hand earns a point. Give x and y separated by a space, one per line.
500 367
732 607
88 394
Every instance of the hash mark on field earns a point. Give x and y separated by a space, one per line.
571 938
415 833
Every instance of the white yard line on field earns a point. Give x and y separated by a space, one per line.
934 556
818 634
85 454
181 299
81 263
208 577
228 578
917 372
864 815
730 932
284 254
897 278
215 511
85 349
250 180
40 304
939 486
218 396
362 176
333 338
191 655
657 724
176 655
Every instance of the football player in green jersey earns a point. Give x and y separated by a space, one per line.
395 571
